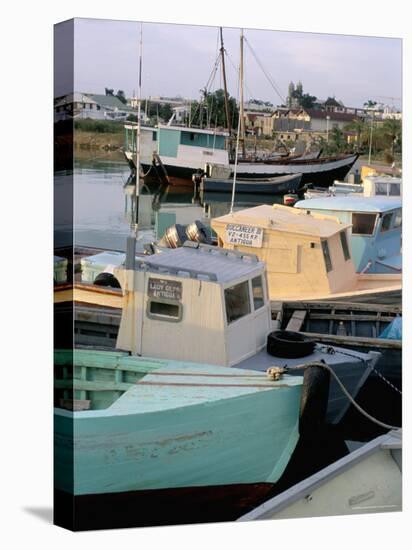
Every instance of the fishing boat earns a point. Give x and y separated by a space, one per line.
183 151
149 434
367 480
372 186
268 186
224 319
322 171
308 256
376 228
353 326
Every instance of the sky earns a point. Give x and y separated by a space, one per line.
179 59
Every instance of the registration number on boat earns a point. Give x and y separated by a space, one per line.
245 235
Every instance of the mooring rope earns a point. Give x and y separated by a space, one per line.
345 391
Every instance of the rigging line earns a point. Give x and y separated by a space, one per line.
270 79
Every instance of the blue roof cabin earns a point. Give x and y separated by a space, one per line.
376 233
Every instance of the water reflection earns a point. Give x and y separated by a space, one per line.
104 204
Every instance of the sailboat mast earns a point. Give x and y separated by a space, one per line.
222 53
132 239
241 111
139 107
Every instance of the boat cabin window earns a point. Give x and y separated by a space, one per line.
386 222
326 256
154 136
237 301
398 219
363 224
164 311
257 290
345 247
395 190
381 189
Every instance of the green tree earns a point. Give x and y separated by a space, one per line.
369 104
362 130
307 101
109 91
391 130
211 111
165 111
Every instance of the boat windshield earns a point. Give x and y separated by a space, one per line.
398 219
386 222
237 301
345 247
257 289
326 255
363 224
388 189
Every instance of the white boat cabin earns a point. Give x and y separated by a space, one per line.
178 146
196 303
372 186
305 254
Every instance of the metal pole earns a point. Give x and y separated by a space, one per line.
132 239
222 53
242 115
236 157
370 140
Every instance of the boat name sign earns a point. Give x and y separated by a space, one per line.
246 235
165 289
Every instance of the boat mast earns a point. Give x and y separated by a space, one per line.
131 241
241 111
222 53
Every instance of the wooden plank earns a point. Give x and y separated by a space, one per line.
349 317
358 341
91 385
297 320
351 306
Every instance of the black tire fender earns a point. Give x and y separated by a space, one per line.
106 279
285 343
314 399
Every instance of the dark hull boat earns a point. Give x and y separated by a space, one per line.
321 171
261 186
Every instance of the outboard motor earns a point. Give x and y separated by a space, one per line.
197 232
174 236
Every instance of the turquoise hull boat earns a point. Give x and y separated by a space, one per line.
170 426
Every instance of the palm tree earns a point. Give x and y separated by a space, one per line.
392 130
362 131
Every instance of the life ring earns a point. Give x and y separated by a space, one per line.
285 343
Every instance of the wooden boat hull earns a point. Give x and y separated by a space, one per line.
158 507
367 480
270 186
321 172
176 427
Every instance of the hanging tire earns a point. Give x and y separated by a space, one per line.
285 343
314 400
106 279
